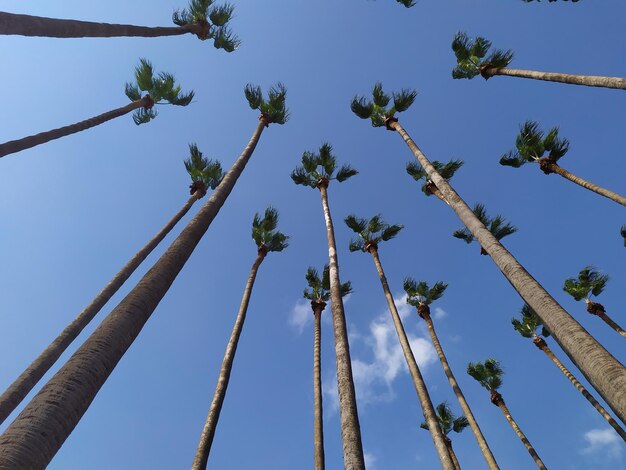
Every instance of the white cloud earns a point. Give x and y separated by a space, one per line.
301 315
605 441
370 461
439 313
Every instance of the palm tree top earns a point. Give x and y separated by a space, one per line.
498 227
446 170
264 232
488 373
213 20
530 322
273 108
318 169
319 287
589 281
204 172
447 420
377 109
371 232
470 56
407 3
418 293
532 144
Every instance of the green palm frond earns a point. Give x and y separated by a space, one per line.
345 172
531 145
274 107
512 159
488 373
622 232
377 110
264 231
362 107
448 169
132 91
419 292
143 115
326 159
471 56
320 287
403 100
356 224
459 424
416 171
144 74
253 95
371 231
321 166
356 244
301 176
463 234
589 281
390 232
220 15
380 98
499 58
447 420
196 12
224 38
500 229
406 3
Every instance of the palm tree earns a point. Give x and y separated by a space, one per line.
371 232
420 295
496 226
267 239
406 3
201 18
527 327
204 174
317 171
446 170
471 61
591 282
35 436
161 89
447 422
533 147
489 375
606 374
319 293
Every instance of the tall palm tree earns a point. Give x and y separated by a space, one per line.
267 239
204 173
528 327
35 436
201 18
319 293
532 146
496 226
420 295
471 61
447 422
160 89
370 233
317 171
446 170
606 374
591 282
489 375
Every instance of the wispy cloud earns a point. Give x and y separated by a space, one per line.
439 313
603 441
300 315
370 461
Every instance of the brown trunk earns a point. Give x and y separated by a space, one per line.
208 432
318 423
350 428
612 324
586 80
18 390
455 461
604 372
432 189
36 435
430 416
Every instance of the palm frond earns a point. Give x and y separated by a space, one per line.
345 288
132 91
513 159
143 115
356 244
403 99
416 171
555 146
448 170
464 234
390 232
224 38
301 176
500 59
362 107
461 46
345 172
220 15
380 98
253 95
356 224
326 159
144 75
500 229
622 232
436 291
459 424
487 373
410 3
479 47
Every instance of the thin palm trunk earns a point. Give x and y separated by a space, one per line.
24 143
18 390
541 344
36 435
586 80
609 321
604 372
208 432
430 416
467 411
455 461
350 429
318 424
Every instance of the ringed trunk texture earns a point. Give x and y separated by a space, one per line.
22 386
318 423
208 432
430 416
39 431
604 372
467 411
586 80
350 429
609 321
24 143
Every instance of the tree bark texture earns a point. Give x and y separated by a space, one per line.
455 460
318 422
586 80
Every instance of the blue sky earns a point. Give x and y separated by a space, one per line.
75 210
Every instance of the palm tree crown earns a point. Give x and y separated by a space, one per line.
377 110
470 56
446 170
420 295
273 109
264 232
370 232
204 172
533 146
213 21
319 168
497 226
447 421
488 374
589 282
319 288
406 3
528 325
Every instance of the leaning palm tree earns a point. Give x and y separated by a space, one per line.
159 89
446 170
267 239
319 293
532 146
317 171
496 226
420 295
370 234
448 422
37 434
204 173
591 282
489 375
605 373
201 18
471 61
528 327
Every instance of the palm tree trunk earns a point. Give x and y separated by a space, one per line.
208 432
609 321
318 423
455 461
604 372
350 429
586 80
541 344
24 143
36 435
22 386
420 386
482 442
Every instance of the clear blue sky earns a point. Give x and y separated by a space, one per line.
75 210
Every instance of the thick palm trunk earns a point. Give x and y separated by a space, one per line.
467 411
32 141
18 390
455 461
420 386
604 372
208 432
318 424
36 435
586 80
541 344
350 429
